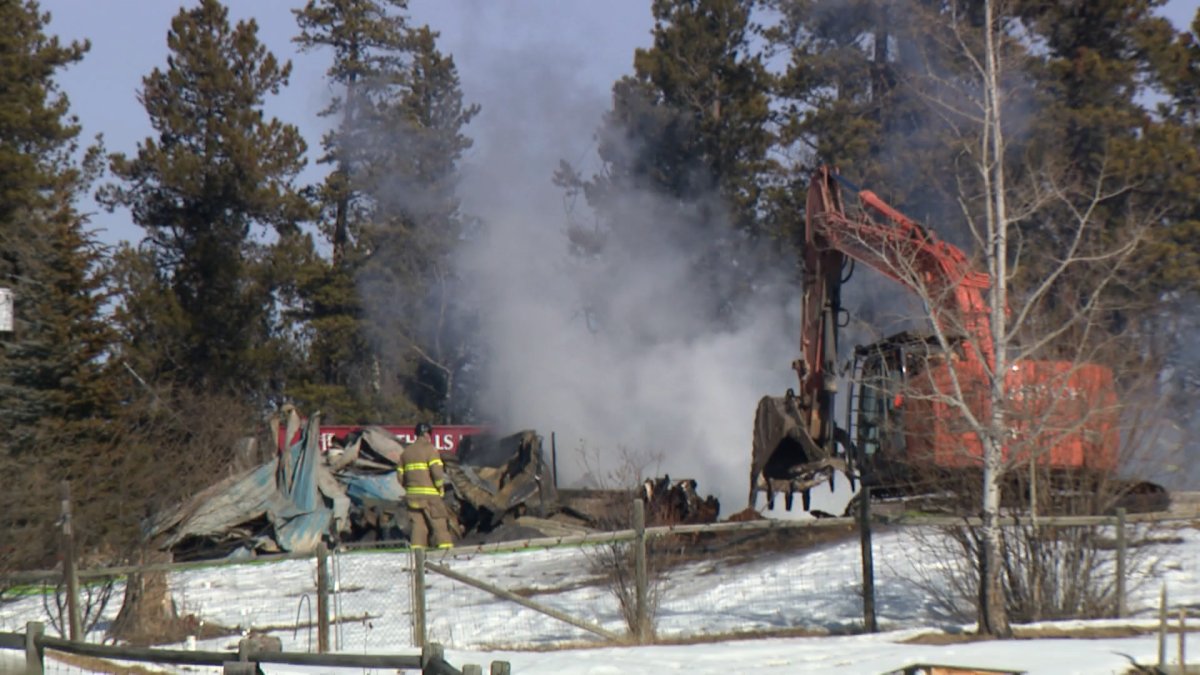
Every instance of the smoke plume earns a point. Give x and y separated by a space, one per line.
648 378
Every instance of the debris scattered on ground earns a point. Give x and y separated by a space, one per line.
500 488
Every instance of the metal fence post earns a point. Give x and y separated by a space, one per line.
70 574
641 611
418 596
554 458
1121 552
322 598
868 560
33 648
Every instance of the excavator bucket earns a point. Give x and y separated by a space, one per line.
785 457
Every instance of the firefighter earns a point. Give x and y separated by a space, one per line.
420 472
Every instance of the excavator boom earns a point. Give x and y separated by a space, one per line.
797 444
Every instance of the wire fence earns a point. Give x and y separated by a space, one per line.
730 579
371 600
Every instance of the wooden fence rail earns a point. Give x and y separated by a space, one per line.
617 536
637 535
34 642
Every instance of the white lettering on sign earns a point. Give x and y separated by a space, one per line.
445 441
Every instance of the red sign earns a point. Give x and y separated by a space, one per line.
447 438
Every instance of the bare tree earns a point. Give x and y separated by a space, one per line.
1010 371
171 444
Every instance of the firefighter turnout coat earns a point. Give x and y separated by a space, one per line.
421 471
423 477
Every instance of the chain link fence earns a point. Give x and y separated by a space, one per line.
371 603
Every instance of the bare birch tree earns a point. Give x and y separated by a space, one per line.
1011 372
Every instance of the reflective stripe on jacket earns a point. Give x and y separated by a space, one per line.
420 470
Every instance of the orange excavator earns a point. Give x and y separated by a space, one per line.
911 395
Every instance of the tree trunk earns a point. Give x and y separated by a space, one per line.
993 612
148 611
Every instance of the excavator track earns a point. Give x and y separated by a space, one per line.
1088 496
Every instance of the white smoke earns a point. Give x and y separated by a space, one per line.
636 382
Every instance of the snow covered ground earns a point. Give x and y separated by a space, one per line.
816 589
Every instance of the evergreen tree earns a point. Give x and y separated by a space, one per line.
1103 61
1176 255
420 321
217 177
368 44
54 389
380 308
684 152
51 368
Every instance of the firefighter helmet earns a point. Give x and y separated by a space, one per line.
424 428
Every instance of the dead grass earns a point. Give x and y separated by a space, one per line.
1043 633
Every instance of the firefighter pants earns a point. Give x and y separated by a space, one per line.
428 514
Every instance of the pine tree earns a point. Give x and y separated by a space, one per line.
689 131
217 176
856 94
51 366
390 214
368 43
1103 62
55 392
409 274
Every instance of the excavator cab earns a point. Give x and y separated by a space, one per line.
886 405
878 399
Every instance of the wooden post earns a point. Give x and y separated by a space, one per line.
1121 553
868 560
239 668
501 668
418 596
432 656
70 574
1162 628
1182 639
322 598
639 564
33 648
472 669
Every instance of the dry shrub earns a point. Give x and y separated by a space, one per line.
1049 572
614 562
159 448
171 447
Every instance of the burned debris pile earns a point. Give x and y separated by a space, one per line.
677 503
499 488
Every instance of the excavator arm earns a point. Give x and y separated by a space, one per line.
897 247
796 441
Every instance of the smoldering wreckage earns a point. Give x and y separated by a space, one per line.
499 488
